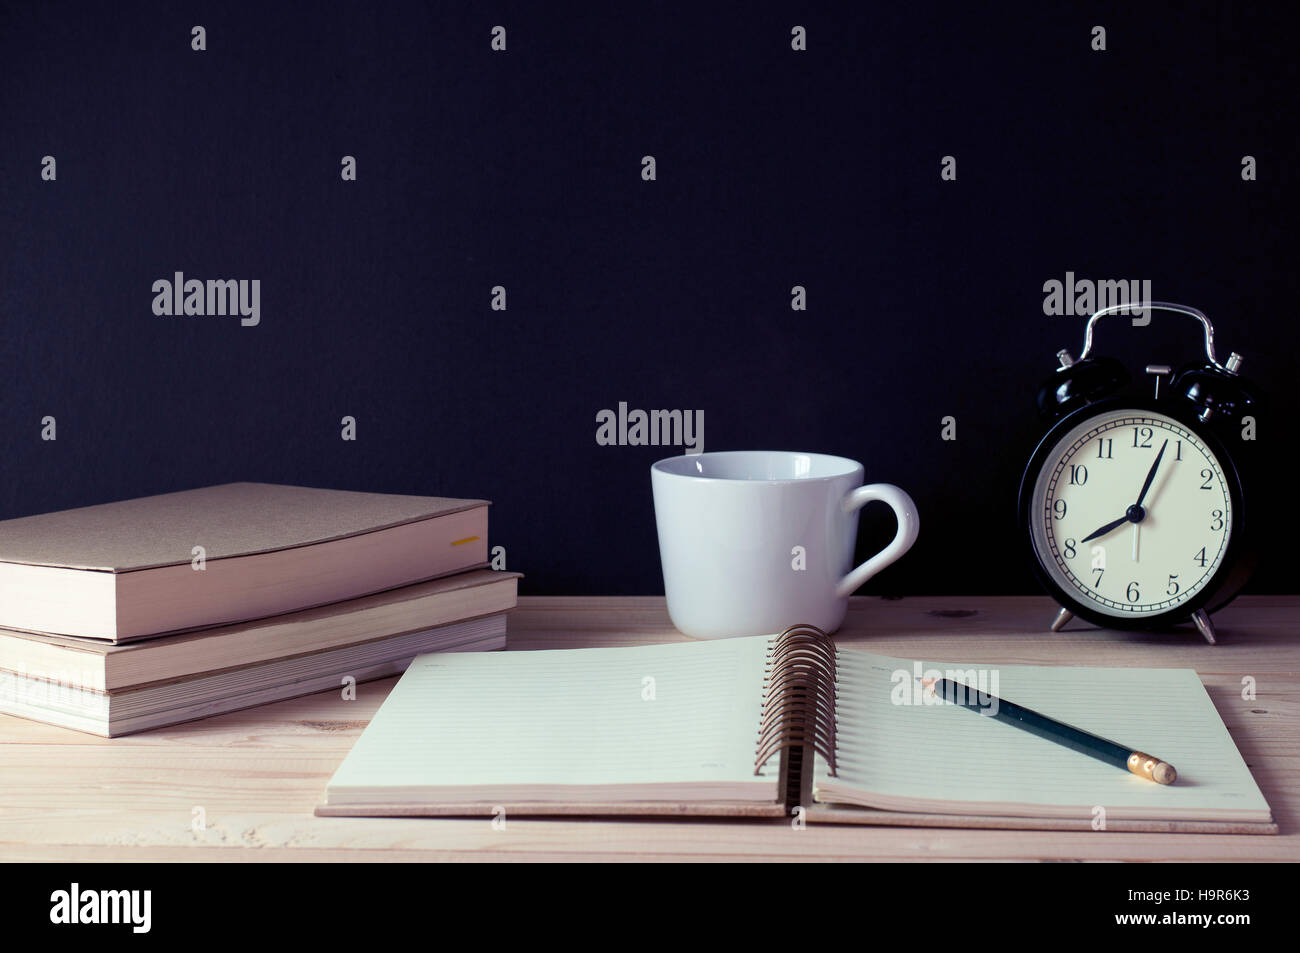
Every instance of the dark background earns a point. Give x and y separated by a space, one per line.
523 168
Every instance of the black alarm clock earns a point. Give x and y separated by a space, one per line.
1137 505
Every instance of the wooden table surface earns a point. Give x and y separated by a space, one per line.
255 776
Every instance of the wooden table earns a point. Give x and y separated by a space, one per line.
255 776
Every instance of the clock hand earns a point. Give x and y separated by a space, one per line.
1135 512
1105 529
1151 474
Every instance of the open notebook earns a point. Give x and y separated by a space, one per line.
723 728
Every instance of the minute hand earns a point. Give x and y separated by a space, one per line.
1151 474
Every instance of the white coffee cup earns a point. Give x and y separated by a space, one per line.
755 541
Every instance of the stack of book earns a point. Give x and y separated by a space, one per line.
133 615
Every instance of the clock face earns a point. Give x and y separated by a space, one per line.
1131 514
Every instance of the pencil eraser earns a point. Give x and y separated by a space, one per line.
1145 766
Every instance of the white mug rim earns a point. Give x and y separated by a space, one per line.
848 467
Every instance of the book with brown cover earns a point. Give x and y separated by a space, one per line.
96 665
228 553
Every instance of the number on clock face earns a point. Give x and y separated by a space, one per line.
1131 513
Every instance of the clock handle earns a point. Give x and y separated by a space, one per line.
909 524
1233 361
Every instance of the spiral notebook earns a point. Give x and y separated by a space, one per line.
767 726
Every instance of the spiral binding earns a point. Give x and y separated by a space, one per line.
799 695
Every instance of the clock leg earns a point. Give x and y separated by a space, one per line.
1204 625
1062 617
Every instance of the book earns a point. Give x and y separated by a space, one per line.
762 726
155 705
228 553
100 666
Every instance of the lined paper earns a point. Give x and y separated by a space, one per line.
943 758
644 723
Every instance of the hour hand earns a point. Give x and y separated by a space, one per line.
1105 529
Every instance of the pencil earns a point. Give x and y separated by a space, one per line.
989 706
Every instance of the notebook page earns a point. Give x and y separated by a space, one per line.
639 723
896 752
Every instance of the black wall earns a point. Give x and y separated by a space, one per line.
523 169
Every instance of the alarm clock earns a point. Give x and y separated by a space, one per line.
1137 505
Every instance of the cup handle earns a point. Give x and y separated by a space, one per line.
909 524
